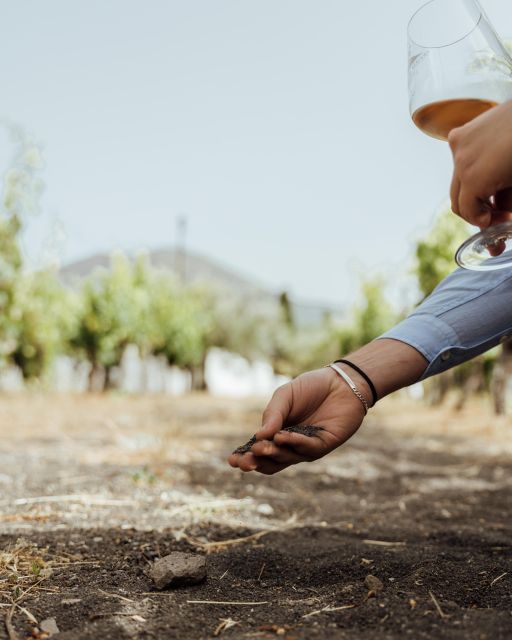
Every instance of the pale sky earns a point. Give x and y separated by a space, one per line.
280 128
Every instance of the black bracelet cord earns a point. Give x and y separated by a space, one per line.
375 397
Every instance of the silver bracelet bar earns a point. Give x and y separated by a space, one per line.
351 384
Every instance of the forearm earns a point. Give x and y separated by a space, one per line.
390 365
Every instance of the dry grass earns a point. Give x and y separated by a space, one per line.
22 567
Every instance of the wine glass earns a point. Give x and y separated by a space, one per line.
458 69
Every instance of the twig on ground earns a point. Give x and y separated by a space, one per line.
220 544
225 572
441 613
225 602
498 578
31 617
261 571
116 595
328 609
22 595
226 623
116 614
384 543
96 500
11 631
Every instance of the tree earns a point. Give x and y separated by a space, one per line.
22 188
106 318
44 315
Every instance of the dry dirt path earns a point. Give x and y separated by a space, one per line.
92 489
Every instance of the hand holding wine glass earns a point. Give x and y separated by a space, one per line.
459 72
482 155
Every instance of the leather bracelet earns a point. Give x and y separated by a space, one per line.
351 384
375 397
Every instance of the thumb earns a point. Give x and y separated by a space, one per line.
276 412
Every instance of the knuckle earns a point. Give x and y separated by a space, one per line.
280 390
454 137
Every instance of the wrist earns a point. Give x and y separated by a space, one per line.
390 364
343 380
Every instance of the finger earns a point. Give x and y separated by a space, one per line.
268 467
454 194
281 455
245 462
497 248
276 412
473 209
503 200
307 446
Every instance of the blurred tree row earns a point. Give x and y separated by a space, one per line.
132 303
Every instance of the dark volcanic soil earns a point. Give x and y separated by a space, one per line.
308 582
428 515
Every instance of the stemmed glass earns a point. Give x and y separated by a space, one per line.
458 69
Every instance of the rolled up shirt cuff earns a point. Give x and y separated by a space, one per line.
468 314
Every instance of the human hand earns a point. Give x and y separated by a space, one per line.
319 398
482 177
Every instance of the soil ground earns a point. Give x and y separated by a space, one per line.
94 488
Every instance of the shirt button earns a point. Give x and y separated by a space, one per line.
446 356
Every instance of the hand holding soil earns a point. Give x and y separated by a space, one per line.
315 398
306 430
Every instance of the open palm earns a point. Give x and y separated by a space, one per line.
317 398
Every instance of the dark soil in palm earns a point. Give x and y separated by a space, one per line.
305 430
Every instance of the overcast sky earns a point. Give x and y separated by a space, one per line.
280 128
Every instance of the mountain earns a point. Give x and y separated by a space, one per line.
194 267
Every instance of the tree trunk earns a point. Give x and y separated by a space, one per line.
96 378
437 388
198 376
500 378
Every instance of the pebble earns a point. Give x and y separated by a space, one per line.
178 569
373 584
49 626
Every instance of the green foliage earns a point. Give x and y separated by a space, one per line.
371 317
134 304
22 188
435 253
178 322
43 316
108 314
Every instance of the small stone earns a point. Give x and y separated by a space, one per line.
178 569
373 584
265 509
49 626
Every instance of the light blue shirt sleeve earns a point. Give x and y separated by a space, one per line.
467 314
